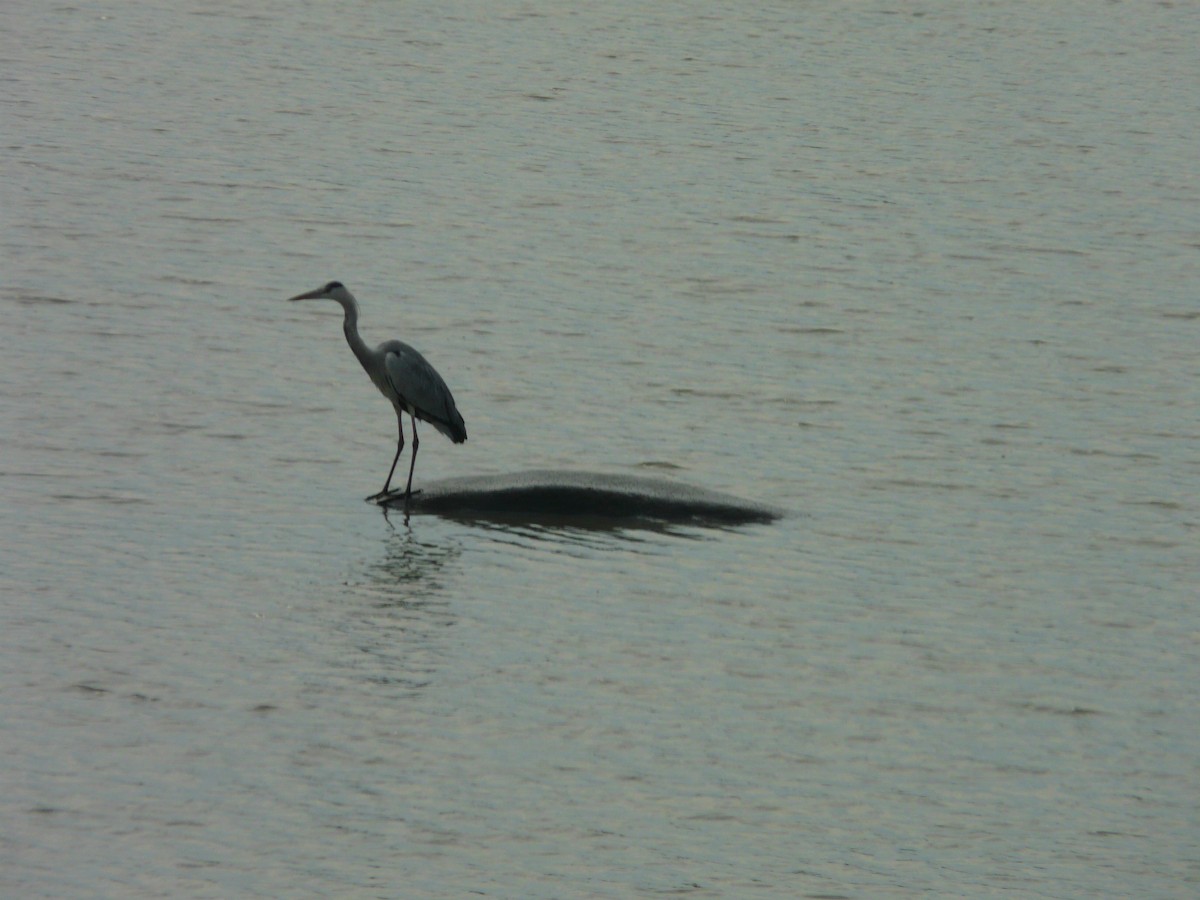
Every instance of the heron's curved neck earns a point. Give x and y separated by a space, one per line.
350 327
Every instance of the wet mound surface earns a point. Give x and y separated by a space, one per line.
582 497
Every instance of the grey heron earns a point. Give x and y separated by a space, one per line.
402 375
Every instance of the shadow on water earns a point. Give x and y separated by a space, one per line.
555 533
570 534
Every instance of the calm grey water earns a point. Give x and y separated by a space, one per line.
923 274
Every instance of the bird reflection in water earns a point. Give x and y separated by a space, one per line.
395 621
411 562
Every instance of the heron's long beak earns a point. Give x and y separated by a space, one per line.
311 295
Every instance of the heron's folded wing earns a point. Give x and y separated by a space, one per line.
421 388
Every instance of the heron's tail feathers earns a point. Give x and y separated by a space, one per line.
456 430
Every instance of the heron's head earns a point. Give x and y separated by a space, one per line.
335 290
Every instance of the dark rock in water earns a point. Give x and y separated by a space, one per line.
586 498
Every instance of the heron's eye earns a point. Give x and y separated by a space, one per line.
333 285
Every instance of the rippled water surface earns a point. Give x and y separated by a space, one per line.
924 275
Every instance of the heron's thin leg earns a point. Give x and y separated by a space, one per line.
412 465
396 458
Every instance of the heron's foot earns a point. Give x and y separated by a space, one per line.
390 495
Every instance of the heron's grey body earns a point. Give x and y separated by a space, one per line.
402 375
